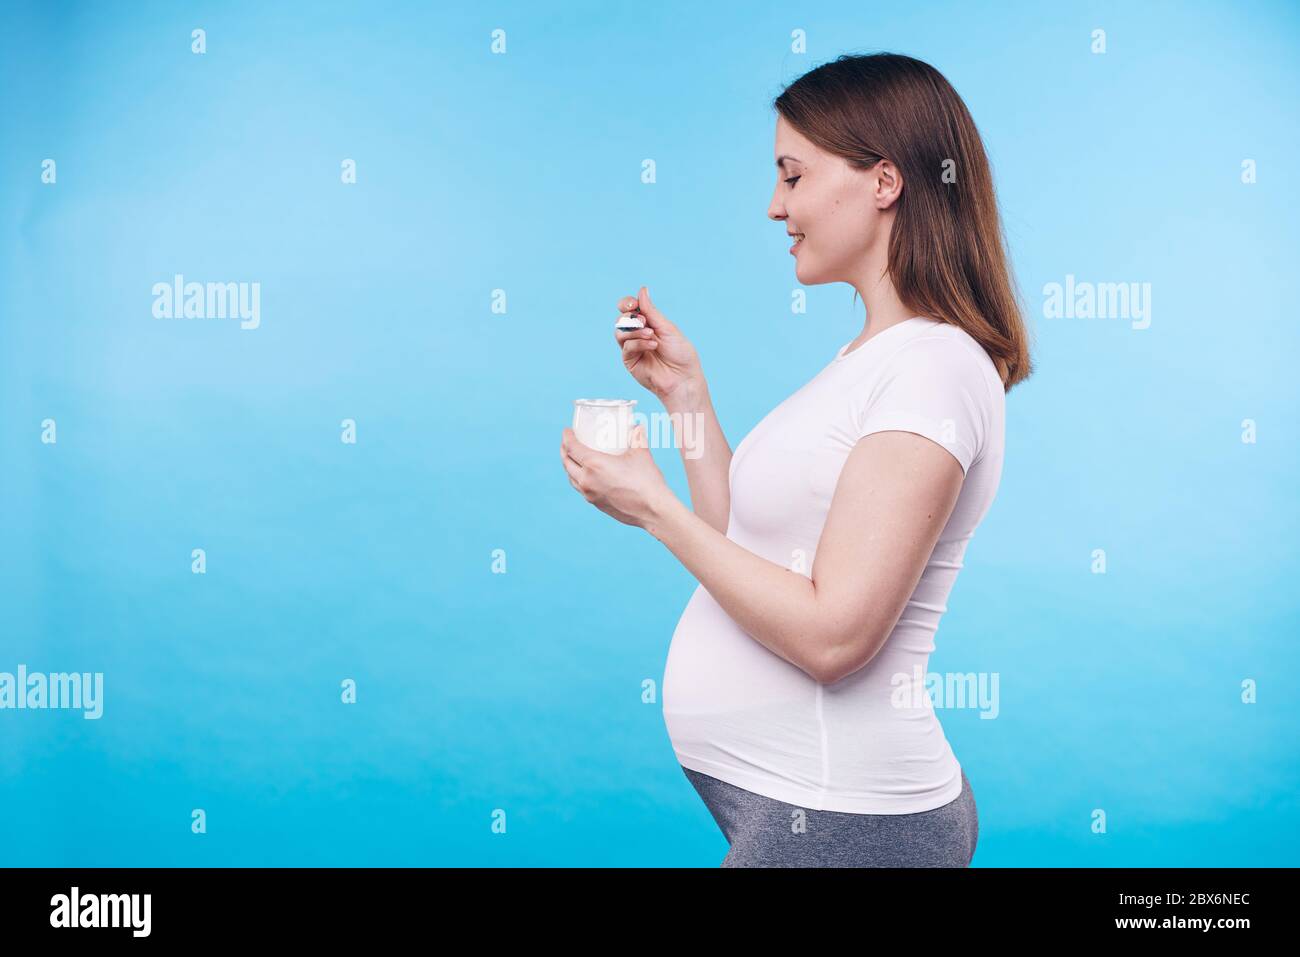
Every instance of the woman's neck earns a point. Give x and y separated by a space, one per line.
883 307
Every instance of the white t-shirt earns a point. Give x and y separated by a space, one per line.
742 713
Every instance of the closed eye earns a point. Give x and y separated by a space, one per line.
791 181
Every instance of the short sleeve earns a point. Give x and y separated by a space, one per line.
936 387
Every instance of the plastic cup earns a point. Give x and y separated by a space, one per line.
604 424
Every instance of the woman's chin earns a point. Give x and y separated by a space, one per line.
804 273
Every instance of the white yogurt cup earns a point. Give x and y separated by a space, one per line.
604 424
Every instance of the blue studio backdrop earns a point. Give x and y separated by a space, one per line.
347 608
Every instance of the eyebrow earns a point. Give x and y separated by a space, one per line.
780 160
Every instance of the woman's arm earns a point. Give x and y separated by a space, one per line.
662 359
705 452
892 500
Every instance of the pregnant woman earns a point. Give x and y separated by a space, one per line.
827 544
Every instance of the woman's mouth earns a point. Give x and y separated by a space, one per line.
798 238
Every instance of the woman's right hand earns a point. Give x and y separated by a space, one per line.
658 356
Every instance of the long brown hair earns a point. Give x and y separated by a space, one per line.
947 252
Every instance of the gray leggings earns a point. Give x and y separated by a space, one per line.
764 832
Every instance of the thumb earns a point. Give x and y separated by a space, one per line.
655 319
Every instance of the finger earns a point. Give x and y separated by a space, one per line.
634 346
627 303
573 471
573 448
622 337
654 318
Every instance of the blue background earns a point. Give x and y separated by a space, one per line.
521 172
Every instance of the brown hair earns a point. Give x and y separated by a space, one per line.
947 253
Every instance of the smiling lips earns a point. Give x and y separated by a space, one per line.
798 238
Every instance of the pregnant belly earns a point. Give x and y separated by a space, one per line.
738 711
715 667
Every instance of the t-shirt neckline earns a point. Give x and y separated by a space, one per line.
842 355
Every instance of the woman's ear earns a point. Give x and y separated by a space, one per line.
889 184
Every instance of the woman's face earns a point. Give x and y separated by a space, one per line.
837 209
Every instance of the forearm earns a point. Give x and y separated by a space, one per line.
705 453
777 607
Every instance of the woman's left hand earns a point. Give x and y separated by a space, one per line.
629 487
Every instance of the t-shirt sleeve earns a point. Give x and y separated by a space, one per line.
935 387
